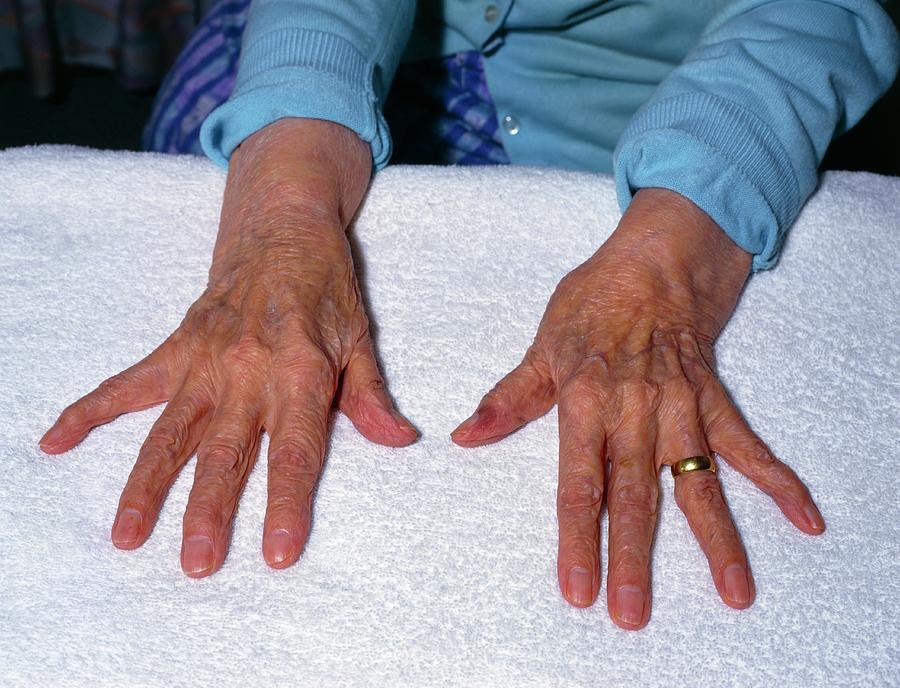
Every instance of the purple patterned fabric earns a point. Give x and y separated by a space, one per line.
439 111
201 79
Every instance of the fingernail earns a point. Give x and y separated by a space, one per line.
198 554
127 527
403 423
51 437
813 517
630 604
467 423
579 586
280 545
737 589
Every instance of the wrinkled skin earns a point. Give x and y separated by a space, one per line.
278 334
625 349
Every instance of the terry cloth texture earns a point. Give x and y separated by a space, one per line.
434 565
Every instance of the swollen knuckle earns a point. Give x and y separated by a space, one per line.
705 494
165 439
74 413
249 351
579 493
761 454
222 458
109 389
309 364
635 497
296 458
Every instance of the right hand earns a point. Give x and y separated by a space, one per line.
278 334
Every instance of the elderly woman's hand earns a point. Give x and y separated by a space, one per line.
265 346
625 348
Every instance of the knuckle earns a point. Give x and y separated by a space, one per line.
372 388
147 485
705 493
309 364
787 483
74 413
761 454
375 385
203 514
781 478
582 396
628 564
296 458
249 351
166 438
223 459
295 505
208 315
642 395
629 557
580 547
580 494
635 498
109 389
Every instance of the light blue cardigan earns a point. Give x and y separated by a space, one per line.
731 104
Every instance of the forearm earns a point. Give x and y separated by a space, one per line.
292 181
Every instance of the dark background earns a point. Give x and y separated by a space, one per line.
91 109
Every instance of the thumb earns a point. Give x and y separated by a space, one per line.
365 401
526 393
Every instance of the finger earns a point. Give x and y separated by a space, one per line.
579 497
296 454
632 500
169 445
525 394
365 401
144 384
224 459
699 496
730 436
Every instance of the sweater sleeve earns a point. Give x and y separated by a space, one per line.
741 126
322 59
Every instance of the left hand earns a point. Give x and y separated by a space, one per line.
625 348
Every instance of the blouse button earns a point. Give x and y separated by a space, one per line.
511 124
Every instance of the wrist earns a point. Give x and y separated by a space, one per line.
686 258
300 168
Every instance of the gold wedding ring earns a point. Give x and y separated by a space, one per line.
693 463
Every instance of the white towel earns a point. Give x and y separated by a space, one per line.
434 565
